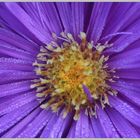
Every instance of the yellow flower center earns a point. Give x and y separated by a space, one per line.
73 76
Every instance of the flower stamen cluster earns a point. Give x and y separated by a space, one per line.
73 76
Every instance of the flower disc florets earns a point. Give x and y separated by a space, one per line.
73 76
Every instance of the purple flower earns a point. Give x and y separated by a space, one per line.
69 70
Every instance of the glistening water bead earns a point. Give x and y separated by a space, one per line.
73 76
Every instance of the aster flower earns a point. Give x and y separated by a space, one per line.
69 70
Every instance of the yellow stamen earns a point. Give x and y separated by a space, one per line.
69 67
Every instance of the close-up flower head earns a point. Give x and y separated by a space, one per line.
69 70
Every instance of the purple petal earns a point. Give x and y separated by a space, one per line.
109 129
128 73
130 112
118 61
129 91
18 128
34 127
14 88
50 124
8 76
65 15
123 126
97 128
16 102
88 93
47 19
23 23
98 20
15 64
121 15
8 50
72 16
13 117
60 127
124 41
71 133
77 17
82 127
18 41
